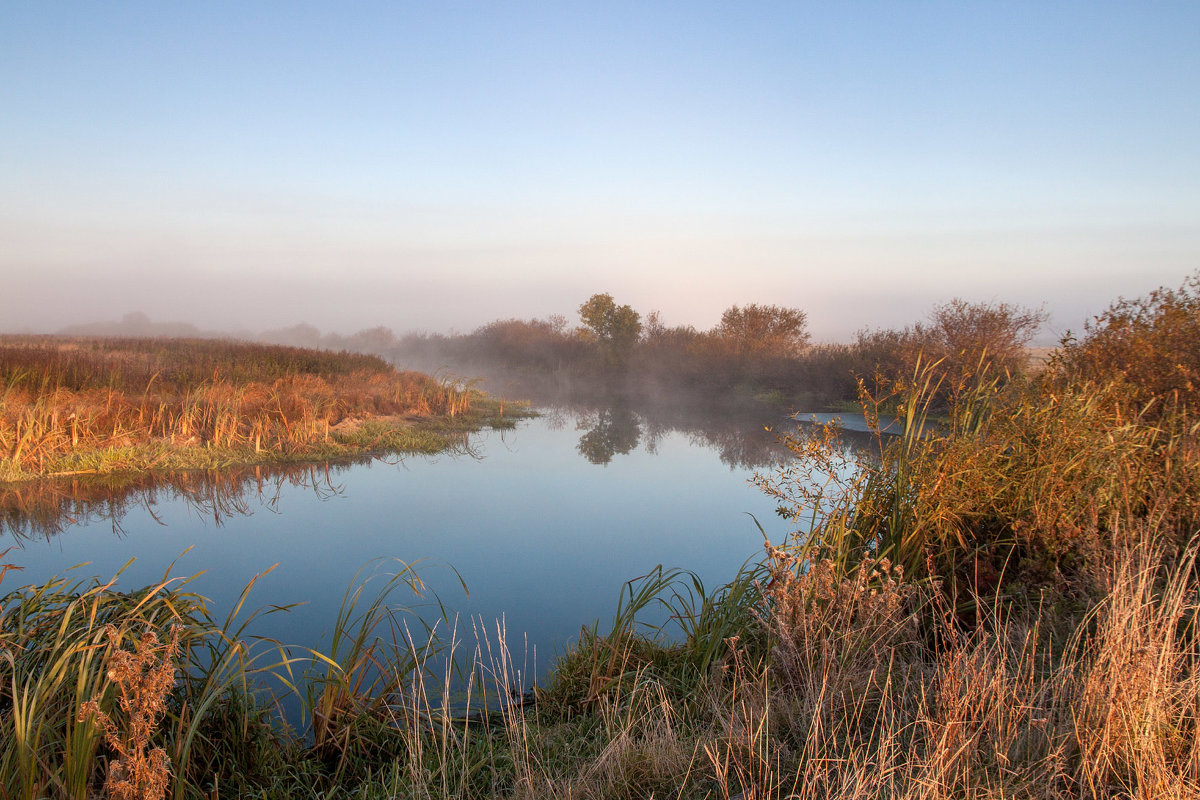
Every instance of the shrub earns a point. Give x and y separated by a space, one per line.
1152 344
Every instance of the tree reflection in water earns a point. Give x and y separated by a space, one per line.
42 509
742 441
748 440
610 432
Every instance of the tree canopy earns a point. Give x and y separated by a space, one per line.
762 330
968 333
615 327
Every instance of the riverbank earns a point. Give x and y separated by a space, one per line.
778 685
78 406
1004 604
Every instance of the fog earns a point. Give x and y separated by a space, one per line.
843 284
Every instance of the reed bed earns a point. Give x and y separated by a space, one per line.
84 406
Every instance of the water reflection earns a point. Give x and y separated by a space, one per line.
617 417
609 432
747 440
46 508
539 534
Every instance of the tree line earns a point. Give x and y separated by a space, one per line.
755 352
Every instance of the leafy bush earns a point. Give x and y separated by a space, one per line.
1021 484
1151 344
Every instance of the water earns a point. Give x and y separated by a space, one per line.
543 524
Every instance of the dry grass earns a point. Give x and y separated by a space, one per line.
74 406
144 678
1003 710
869 687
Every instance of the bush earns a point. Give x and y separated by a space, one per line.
1151 344
1021 486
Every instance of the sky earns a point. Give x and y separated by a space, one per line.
437 165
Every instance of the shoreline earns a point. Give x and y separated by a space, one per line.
354 437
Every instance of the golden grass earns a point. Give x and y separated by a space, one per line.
88 406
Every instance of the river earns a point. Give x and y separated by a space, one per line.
542 524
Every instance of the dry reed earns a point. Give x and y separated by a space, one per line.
56 416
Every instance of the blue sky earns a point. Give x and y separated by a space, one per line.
438 165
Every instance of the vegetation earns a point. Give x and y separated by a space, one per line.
999 604
1147 344
755 354
757 329
615 328
74 406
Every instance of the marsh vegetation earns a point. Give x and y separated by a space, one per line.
80 406
1000 601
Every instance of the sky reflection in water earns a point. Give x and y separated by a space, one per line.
543 524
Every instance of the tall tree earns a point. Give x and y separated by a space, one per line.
616 328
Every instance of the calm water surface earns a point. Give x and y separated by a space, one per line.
543 524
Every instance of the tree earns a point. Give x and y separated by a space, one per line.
616 328
378 340
764 330
969 334
615 431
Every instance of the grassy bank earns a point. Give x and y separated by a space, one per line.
1003 604
818 685
86 406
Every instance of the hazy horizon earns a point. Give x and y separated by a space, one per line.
436 167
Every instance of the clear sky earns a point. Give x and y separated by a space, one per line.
436 165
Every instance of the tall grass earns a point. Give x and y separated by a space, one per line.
79 406
856 685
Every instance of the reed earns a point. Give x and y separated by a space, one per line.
76 406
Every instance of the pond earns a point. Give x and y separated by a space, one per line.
542 524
